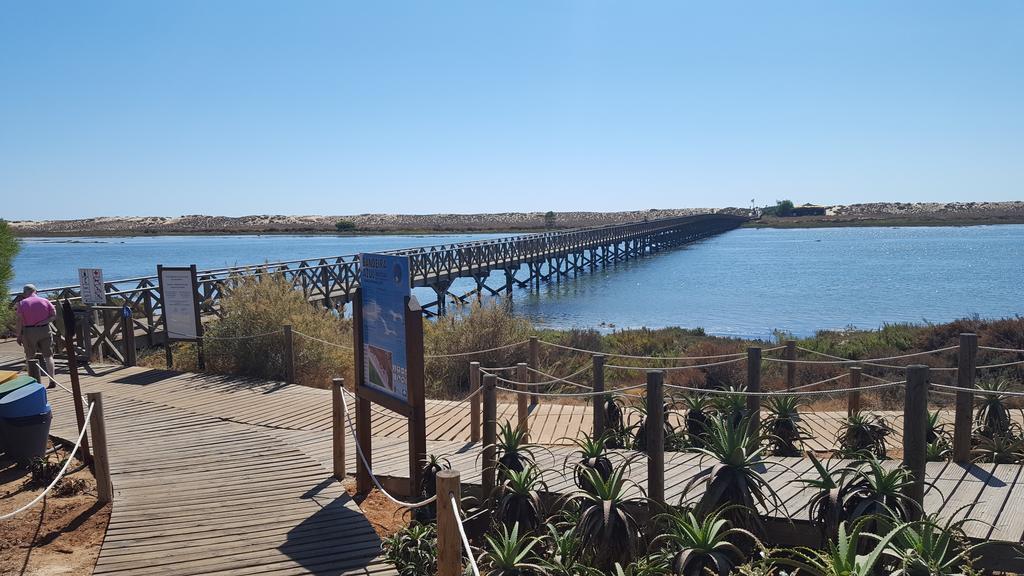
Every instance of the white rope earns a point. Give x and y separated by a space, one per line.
667 358
612 392
980 391
342 346
246 337
993 348
393 416
54 380
362 457
498 369
67 462
556 379
840 360
462 534
987 366
675 368
784 392
474 352
827 380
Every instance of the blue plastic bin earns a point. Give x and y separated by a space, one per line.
25 437
28 400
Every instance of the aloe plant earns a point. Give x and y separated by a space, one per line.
782 428
702 545
650 565
826 505
562 553
732 405
735 482
509 553
862 435
514 452
640 429
875 492
428 486
840 557
413 550
609 531
931 547
992 416
590 453
938 451
999 449
518 498
698 417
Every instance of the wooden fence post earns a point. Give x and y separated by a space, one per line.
474 402
853 398
101 462
289 354
791 365
128 338
522 375
754 385
534 360
449 542
338 427
965 374
915 433
32 367
656 436
490 458
598 399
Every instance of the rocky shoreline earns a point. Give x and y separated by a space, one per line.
880 214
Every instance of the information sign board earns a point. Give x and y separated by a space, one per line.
93 290
384 291
180 308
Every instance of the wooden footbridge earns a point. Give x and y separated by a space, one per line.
496 266
226 475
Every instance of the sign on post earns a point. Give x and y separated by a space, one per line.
94 292
388 337
180 305
385 289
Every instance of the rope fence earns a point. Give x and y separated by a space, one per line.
475 352
60 475
315 339
462 534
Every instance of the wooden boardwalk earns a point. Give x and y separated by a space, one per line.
226 475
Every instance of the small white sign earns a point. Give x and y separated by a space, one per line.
91 282
179 299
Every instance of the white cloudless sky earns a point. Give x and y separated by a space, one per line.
251 107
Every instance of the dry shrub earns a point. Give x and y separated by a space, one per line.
467 329
247 339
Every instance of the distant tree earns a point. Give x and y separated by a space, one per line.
9 248
344 225
783 207
549 219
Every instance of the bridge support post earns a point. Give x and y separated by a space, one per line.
449 542
655 437
598 399
754 385
965 374
853 398
338 427
474 402
915 433
490 459
791 365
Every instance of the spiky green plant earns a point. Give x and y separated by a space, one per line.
931 547
413 550
428 486
938 451
826 506
992 415
640 429
999 449
862 435
590 453
608 528
840 556
649 565
508 553
562 552
698 417
732 406
518 498
514 452
735 482
613 411
782 428
875 492
937 431
702 545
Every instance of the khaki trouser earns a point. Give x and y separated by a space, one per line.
38 340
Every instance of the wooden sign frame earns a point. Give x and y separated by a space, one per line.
414 409
160 269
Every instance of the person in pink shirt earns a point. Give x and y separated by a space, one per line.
33 327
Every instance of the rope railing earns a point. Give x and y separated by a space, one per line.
245 337
369 470
677 368
475 352
462 534
825 381
661 358
1003 365
315 339
60 475
995 349
555 379
794 392
396 416
55 381
867 361
980 391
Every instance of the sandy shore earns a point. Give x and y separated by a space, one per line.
875 214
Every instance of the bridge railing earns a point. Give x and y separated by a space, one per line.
333 279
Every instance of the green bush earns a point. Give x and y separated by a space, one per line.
9 248
262 305
344 225
467 329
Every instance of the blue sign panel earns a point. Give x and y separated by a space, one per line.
384 283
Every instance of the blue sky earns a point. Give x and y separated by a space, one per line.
167 108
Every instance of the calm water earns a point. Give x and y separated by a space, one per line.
748 282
